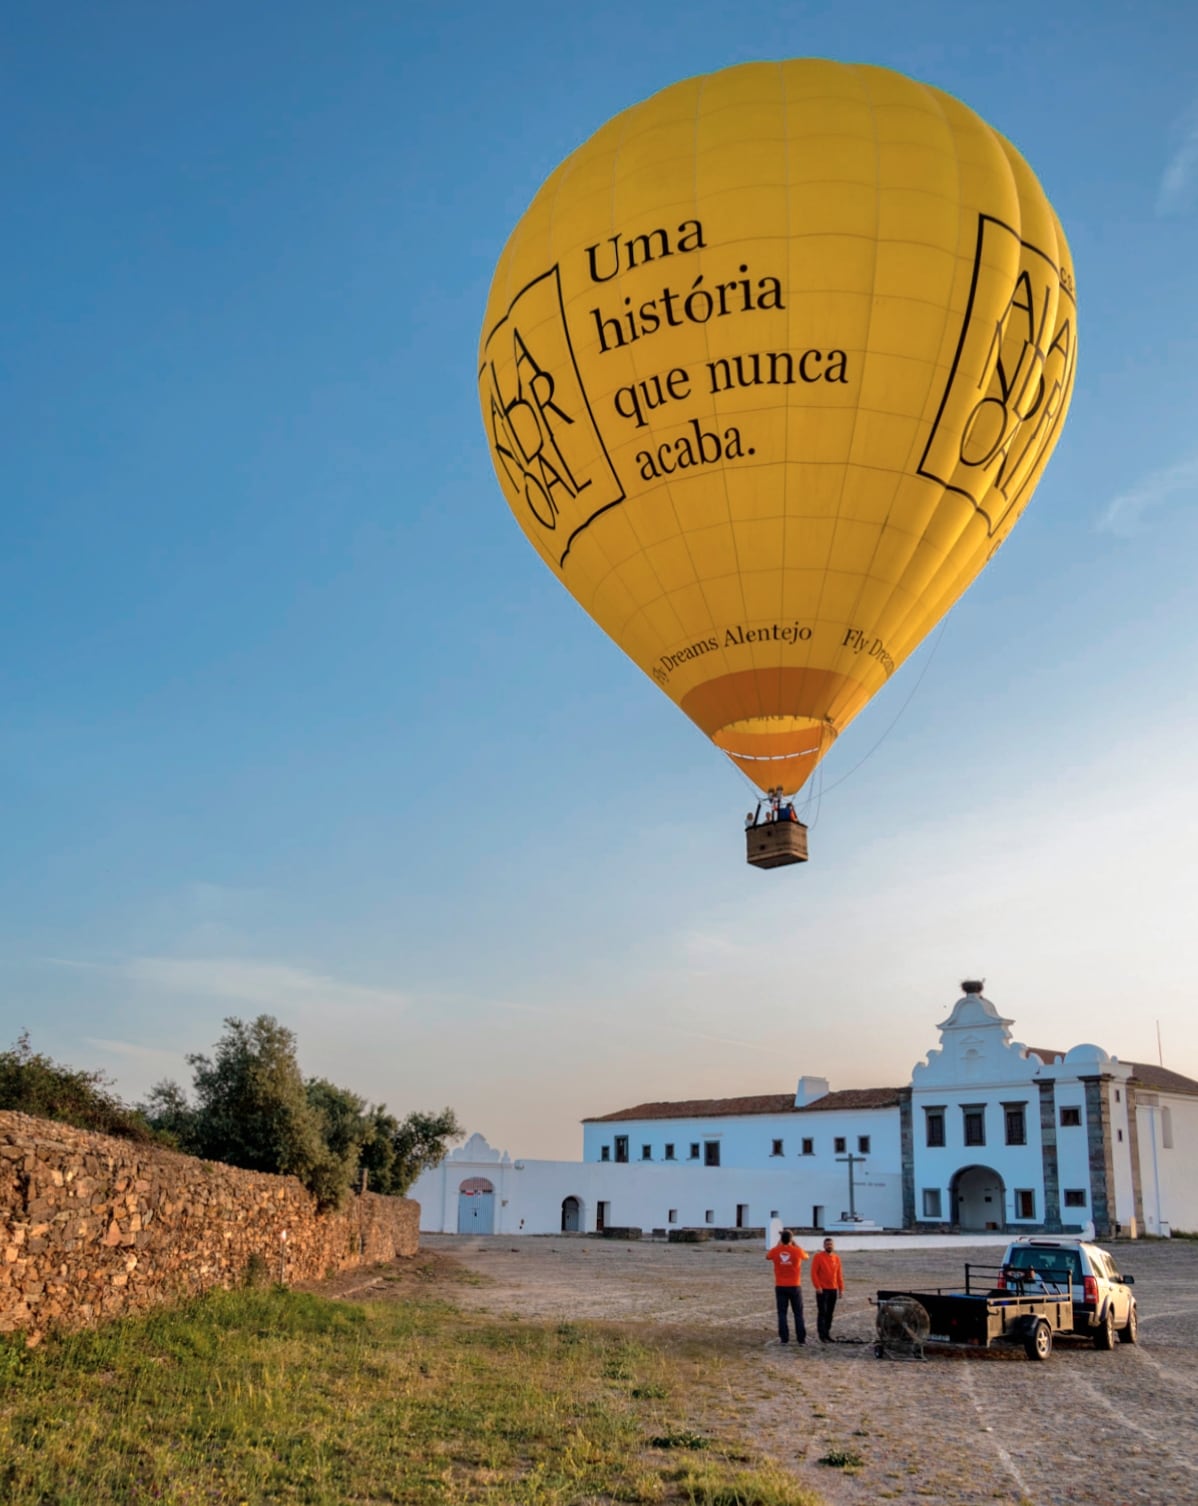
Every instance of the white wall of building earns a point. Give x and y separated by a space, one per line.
1167 1128
529 1194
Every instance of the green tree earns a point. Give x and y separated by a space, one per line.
31 1083
419 1143
172 1116
252 1109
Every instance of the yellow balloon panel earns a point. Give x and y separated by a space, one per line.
769 369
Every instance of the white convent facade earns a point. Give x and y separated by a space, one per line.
988 1136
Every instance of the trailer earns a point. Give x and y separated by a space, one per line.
979 1316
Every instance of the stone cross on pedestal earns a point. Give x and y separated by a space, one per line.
852 1161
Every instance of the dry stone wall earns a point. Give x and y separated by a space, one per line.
93 1227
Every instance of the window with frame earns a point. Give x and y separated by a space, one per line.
709 1216
1166 1128
621 1147
1075 1197
840 1145
973 1119
775 1147
1025 1202
808 1148
931 1202
863 1145
933 1123
605 1152
711 1153
1071 1117
694 1150
646 1153
672 1216
669 1152
1015 1123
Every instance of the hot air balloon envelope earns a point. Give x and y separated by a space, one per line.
769 369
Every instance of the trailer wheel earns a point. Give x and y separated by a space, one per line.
1039 1341
1104 1334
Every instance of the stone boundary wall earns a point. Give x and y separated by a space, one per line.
93 1227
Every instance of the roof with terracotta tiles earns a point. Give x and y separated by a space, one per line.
762 1103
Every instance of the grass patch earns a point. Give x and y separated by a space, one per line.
265 1395
842 1458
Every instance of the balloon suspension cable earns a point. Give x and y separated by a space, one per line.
815 797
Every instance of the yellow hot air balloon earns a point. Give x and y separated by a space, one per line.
770 368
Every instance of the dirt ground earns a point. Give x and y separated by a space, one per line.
956 1429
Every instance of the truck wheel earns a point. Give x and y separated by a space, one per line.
1104 1334
1039 1341
1131 1333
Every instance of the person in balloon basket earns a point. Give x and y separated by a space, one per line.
787 1259
828 1280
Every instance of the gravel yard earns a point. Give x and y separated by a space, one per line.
957 1428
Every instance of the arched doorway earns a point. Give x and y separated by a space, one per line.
476 1206
977 1194
571 1215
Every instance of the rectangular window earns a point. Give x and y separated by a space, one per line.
1118 1095
605 1153
863 1145
931 1202
934 1125
808 1147
672 1216
621 1147
694 1152
1166 1128
1071 1117
709 1216
742 1215
1119 1136
646 1153
711 1153
1075 1197
974 1121
1015 1120
838 1145
669 1152
1025 1203
776 1148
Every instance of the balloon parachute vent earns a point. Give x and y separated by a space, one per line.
973 985
775 844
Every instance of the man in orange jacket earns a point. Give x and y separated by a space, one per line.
787 1259
828 1281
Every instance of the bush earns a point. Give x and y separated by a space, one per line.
30 1083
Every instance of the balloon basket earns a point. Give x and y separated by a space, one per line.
774 844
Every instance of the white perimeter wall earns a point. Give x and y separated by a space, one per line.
529 1194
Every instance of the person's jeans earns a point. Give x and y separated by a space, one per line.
790 1299
825 1306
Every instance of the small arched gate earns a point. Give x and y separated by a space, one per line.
476 1206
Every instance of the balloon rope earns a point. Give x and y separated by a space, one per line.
898 714
816 798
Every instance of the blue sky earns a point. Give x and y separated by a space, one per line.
295 720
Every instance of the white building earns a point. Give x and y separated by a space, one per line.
990 1135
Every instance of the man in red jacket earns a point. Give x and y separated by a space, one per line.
828 1281
787 1259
